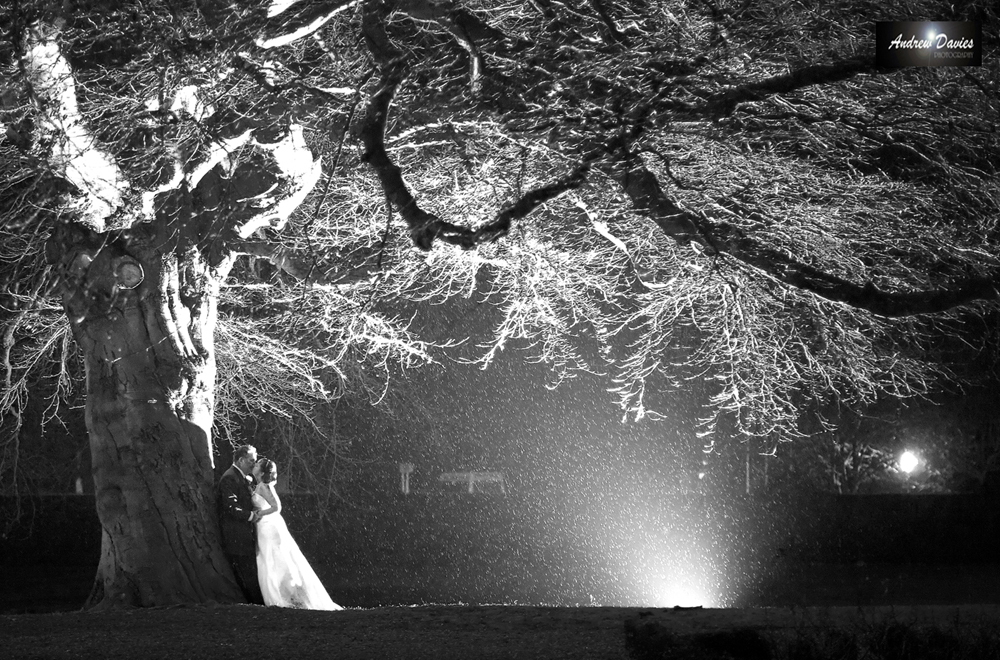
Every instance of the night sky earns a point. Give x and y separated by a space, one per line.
621 501
511 416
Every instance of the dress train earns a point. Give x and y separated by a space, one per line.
285 576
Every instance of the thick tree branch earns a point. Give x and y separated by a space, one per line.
724 103
648 198
468 30
299 19
684 226
298 175
461 23
426 227
75 154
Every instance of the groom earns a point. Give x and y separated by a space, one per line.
237 520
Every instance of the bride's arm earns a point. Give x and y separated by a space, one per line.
267 492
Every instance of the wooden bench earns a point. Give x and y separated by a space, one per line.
473 478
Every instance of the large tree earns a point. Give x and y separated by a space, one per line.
721 195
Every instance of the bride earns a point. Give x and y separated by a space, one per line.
286 578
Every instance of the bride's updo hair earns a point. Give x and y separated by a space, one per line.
268 470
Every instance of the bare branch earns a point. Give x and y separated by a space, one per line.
332 267
443 14
717 237
614 34
292 23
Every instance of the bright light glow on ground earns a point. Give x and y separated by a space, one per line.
908 462
680 595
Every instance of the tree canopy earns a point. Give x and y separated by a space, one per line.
719 195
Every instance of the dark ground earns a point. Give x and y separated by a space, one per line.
467 552
434 631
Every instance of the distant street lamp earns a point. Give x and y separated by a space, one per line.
908 462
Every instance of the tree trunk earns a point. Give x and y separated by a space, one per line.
145 321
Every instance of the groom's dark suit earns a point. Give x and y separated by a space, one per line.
239 537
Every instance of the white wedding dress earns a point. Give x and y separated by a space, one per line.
286 578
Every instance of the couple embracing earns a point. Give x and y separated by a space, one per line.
268 564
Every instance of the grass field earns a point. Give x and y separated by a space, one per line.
500 632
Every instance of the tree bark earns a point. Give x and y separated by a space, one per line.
150 378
